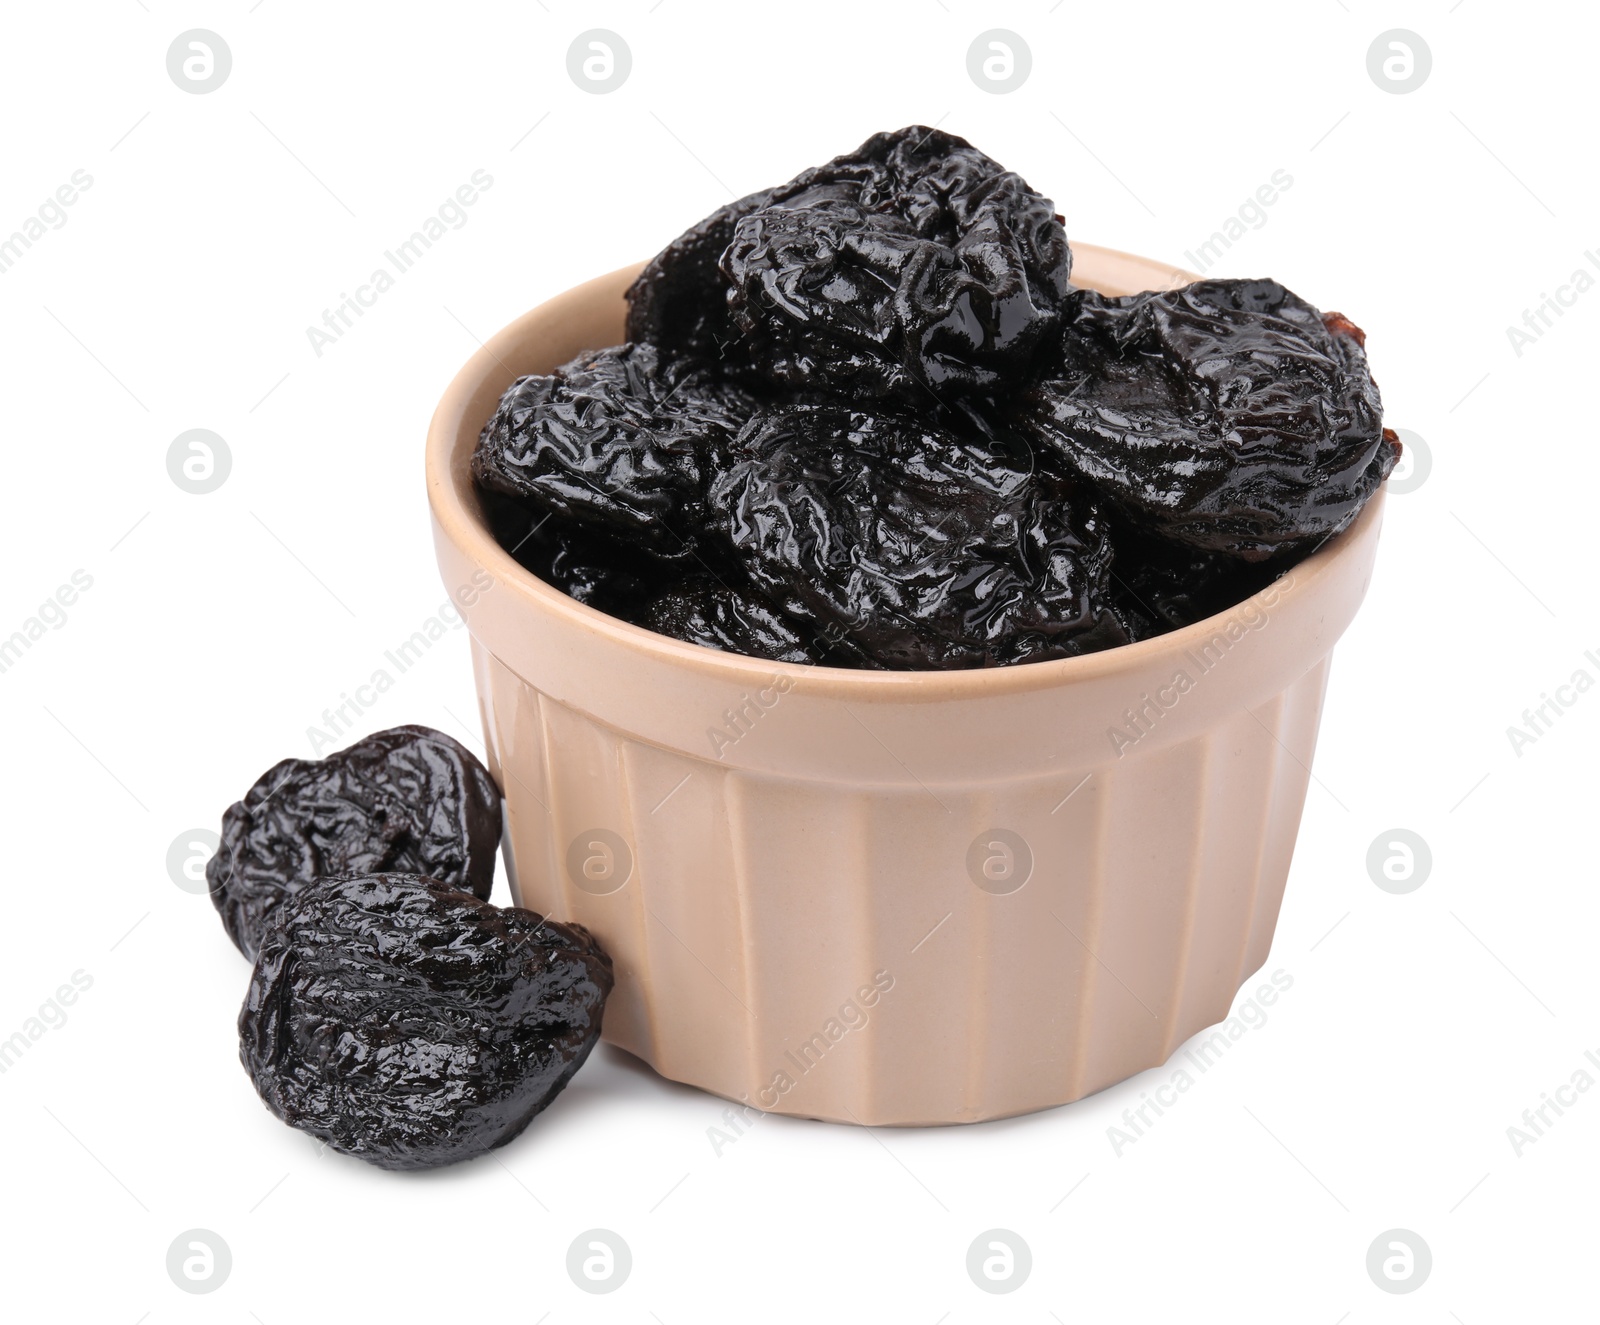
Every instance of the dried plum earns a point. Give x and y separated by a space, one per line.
1229 416
680 300
617 442
720 616
914 264
410 1024
408 799
906 545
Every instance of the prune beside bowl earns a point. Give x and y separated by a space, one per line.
411 1024
406 799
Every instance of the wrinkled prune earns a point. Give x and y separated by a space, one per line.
616 442
719 616
680 299
913 265
409 799
904 545
1229 416
410 1024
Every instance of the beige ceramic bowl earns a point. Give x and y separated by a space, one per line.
890 898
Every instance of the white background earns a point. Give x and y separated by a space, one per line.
219 627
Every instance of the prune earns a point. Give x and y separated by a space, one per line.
410 1024
914 264
680 299
1160 586
409 799
720 616
617 442
1229 416
905 545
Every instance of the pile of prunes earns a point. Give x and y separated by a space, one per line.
864 419
393 1013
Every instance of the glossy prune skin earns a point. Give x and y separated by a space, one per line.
716 615
902 543
410 1024
905 341
408 799
1227 416
913 268
680 299
618 442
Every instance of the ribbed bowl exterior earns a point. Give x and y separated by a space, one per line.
892 898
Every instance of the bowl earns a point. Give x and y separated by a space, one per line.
890 897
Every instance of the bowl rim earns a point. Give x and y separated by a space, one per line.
457 515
